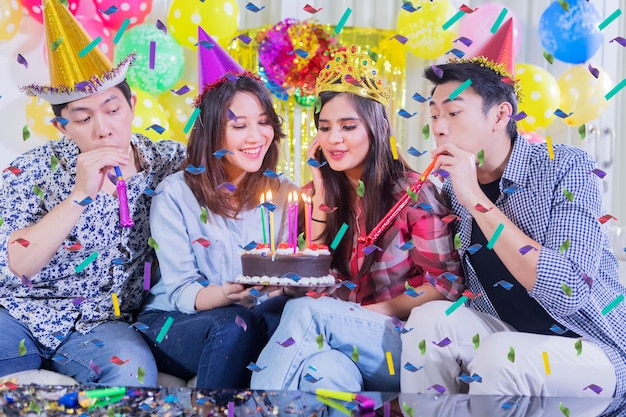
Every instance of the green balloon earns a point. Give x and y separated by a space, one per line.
152 72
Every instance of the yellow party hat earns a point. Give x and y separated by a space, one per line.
353 71
77 67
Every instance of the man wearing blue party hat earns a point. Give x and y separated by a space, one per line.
544 313
74 245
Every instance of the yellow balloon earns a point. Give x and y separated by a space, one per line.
540 96
178 108
149 112
219 18
39 117
582 94
423 28
10 18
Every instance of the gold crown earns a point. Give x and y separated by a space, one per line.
496 67
353 71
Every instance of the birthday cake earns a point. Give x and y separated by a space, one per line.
307 268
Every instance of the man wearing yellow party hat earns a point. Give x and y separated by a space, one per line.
75 243
541 317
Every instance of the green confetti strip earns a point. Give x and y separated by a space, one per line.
22 347
412 194
458 303
320 341
317 104
355 354
84 264
121 30
610 19
140 374
38 192
564 246
64 3
457 241
569 195
25 133
204 215
89 47
343 20
564 410
1 221
360 190
33 406
453 20
548 57
54 163
611 93
481 157
426 131
192 120
55 44
301 241
373 55
476 341
408 410
153 243
166 327
422 346
339 236
457 91
612 304
582 132
511 355
495 236
564 5
566 289
499 20
579 347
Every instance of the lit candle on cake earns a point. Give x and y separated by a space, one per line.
289 219
263 218
269 200
308 213
295 222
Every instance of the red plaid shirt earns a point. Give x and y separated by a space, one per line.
433 250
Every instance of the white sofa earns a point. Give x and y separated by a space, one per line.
41 377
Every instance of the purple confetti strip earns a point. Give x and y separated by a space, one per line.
519 116
594 71
231 115
598 172
78 300
594 388
371 248
445 342
152 54
147 267
241 322
21 60
400 38
244 38
465 41
440 389
525 249
181 91
588 280
161 26
619 40
438 71
287 342
228 186
26 282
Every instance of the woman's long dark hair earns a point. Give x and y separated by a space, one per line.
379 175
208 136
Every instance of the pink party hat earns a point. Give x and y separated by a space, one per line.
213 61
499 47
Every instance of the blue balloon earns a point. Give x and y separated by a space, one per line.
571 36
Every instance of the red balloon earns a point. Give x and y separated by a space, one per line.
34 8
133 10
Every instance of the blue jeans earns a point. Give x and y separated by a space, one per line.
348 330
212 344
84 357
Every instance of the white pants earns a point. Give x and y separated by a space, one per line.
506 362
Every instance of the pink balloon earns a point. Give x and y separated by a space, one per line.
34 8
134 10
477 27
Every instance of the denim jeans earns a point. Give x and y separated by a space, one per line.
84 357
336 345
217 345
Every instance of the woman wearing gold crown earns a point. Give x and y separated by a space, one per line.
351 342
71 277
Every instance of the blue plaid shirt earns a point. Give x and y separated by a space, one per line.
539 207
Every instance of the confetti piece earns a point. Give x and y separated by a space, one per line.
465 41
495 236
453 20
422 347
157 128
606 218
287 343
121 30
440 389
241 322
109 11
372 55
560 113
406 246
355 354
89 47
498 22
569 195
325 209
474 248
320 341
204 214
481 157
469 379
371 248
420 98
619 40
343 21
612 304
153 243
243 38
222 152
394 146
22 242
519 116
161 26
457 91
84 264
300 52
598 172
546 363
400 38
476 340
548 57
525 249
27 282
118 361
564 410
116 305
206 44
408 6
405 114
166 327
22 347
182 90
456 52
458 303
21 60
311 379
557 329
550 147
411 368
193 170
457 241
254 367
192 120
594 71
582 131
594 388
13 170
443 343
339 236
392 371
508 405
55 44
511 355
25 133
314 163
38 192
310 9
564 246
202 242
615 89
578 345
609 19
407 409
152 55
426 131
438 71
254 8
